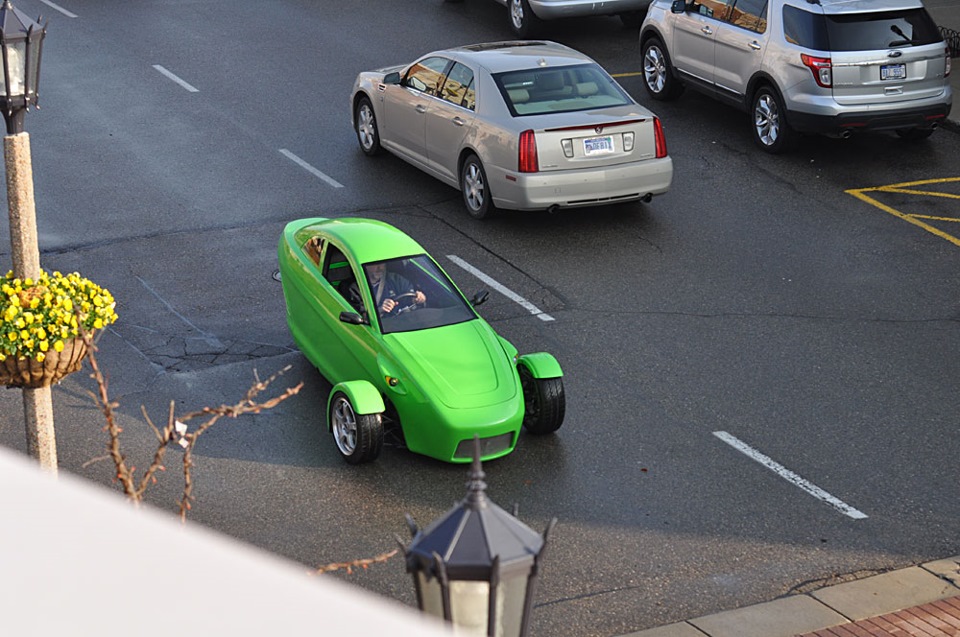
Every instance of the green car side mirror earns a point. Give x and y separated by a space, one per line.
479 298
353 318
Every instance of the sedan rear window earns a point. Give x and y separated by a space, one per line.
859 31
559 90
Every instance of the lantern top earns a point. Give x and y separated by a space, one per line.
476 537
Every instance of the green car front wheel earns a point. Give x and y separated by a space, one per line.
544 402
359 437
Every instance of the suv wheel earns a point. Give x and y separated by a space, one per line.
770 129
658 75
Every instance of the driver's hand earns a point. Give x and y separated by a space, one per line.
388 305
421 297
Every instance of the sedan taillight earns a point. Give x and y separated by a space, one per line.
527 161
822 69
659 139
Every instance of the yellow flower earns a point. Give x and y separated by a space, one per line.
40 357
58 346
44 346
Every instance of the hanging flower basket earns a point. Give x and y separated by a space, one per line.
31 373
40 323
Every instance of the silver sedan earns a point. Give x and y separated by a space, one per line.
517 125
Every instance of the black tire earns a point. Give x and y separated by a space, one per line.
365 124
359 437
632 19
544 402
771 130
658 77
522 20
914 134
476 191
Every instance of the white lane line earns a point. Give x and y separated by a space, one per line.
310 169
790 476
59 8
176 79
507 292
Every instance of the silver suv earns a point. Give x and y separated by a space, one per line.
803 66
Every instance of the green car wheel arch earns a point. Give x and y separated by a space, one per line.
544 400
354 417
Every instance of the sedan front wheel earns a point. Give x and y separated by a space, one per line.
366 123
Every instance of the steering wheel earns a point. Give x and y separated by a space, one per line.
404 302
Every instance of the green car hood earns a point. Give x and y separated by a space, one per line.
462 365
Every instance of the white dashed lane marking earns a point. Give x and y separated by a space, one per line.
502 289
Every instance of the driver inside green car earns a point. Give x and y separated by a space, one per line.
388 289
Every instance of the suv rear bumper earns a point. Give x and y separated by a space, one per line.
869 120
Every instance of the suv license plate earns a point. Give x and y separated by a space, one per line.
598 145
893 72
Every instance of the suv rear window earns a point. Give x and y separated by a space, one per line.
859 31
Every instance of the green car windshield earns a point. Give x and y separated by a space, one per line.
421 294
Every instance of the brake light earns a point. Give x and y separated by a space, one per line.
822 69
527 161
946 69
659 139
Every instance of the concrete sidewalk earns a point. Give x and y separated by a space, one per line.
921 601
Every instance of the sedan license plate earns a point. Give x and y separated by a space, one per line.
598 145
893 72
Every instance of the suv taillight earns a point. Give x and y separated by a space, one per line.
821 69
527 160
946 69
659 139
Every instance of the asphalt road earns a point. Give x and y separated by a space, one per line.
757 298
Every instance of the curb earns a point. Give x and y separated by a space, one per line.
827 607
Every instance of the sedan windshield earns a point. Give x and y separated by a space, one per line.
412 293
559 90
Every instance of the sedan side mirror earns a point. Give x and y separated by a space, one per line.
479 298
392 78
353 318
678 6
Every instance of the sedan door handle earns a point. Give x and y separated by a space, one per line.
706 30
754 45
458 121
421 108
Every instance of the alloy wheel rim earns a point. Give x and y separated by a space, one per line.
654 70
366 127
766 120
345 427
516 13
474 187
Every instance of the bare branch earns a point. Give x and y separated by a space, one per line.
349 566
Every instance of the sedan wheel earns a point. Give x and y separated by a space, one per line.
366 122
473 184
359 437
522 20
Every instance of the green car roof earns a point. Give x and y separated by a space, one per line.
367 239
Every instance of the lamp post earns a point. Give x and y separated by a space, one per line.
21 40
477 565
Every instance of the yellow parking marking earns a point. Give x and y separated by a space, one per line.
907 188
628 74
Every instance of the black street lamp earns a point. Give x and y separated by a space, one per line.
21 40
477 565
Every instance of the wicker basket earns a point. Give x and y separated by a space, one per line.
30 373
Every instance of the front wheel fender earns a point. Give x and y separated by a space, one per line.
541 365
362 394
